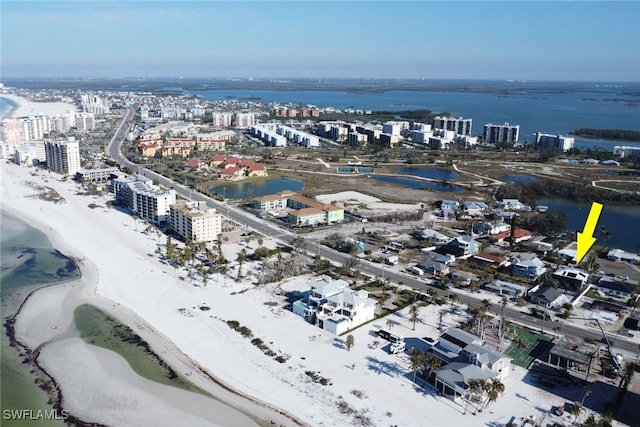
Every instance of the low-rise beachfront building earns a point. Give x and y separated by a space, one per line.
96 175
332 306
304 211
194 221
30 153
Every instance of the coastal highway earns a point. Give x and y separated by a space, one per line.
272 231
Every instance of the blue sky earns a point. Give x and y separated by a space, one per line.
560 40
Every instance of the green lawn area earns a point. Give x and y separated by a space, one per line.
535 345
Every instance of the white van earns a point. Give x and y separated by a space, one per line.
417 271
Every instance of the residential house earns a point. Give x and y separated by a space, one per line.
514 205
434 236
464 359
257 169
493 260
334 307
620 255
574 277
529 268
217 160
232 173
519 235
613 289
474 208
196 164
461 247
493 227
434 267
501 287
547 296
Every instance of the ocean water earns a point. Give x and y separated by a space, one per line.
28 262
553 112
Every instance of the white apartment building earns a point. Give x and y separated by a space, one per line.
460 126
501 133
395 128
147 201
34 128
94 104
85 121
222 119
63 156
544 140
245 120
193 221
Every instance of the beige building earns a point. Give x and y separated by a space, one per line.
194 221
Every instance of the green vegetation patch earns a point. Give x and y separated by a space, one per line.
97 328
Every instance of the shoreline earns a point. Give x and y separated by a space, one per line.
28 329
25 107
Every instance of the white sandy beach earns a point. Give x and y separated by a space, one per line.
28 108
122 276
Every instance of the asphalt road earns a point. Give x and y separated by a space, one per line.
272 231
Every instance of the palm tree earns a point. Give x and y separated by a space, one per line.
391 323
414 315
242 256
349 342
519 342
417 360
587 392
440 316
432 363
494 388
503 308
575 411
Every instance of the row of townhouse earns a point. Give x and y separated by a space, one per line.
304 211
151 147
277 135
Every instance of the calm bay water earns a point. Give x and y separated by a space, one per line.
622 221
554 112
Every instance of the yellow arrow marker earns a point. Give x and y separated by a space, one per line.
585 239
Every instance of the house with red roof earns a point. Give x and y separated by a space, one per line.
519 234
196 164
232 173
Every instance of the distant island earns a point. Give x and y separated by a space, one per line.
610 134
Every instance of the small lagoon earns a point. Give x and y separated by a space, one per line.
431 173
245 190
